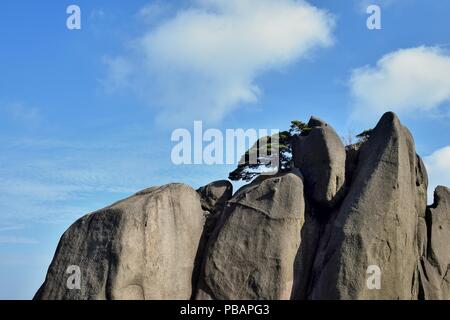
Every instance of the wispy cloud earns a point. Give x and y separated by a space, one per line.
202 62
11 227
27 115
97 14
17 240
407 81
154 11
57 181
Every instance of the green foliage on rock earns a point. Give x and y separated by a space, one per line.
248 170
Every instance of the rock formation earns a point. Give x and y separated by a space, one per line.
140 248
213 198
434 265
321 157
376 223
251 255
215 195
320 231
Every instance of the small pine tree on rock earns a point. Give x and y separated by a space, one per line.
261 153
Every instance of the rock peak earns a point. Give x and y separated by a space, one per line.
316 122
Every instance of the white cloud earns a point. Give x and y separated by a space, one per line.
438 167
203 61
407 81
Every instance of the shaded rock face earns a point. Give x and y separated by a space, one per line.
376 224
321 158
434 268
312 233
252 254
213 198
304 260
140 248
351 161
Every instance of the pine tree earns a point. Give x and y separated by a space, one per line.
247 171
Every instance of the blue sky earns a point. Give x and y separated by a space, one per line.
86 115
